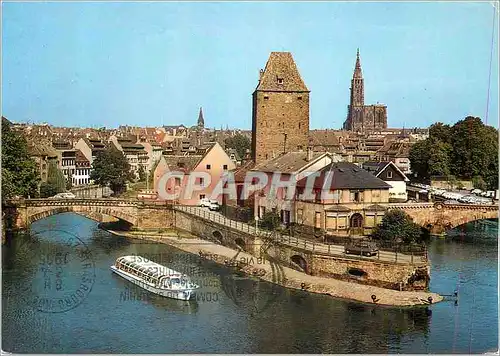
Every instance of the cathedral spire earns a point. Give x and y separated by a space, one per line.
357 68
201 121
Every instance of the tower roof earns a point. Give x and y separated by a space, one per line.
357 67
281 74
201 121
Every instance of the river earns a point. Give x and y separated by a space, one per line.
233 313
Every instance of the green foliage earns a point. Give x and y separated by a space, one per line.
479 183
269 221
239 142
439 158
48 190
55 177
20 175
466 150
69 181
111 168
419 158
398 226
440 132
142 174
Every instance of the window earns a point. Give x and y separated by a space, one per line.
355 196
202 181
299 98
299 125
202 196
177 181
389 174
280 80
224 167
266 97
208 166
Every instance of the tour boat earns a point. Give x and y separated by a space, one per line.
154 277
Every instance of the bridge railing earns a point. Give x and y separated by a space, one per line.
297 242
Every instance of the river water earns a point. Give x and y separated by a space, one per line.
59 296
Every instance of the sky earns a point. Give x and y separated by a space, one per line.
94 64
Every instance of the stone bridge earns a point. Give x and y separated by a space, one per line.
439 217
143 215
387 269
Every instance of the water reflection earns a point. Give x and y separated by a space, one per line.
131 293
247 315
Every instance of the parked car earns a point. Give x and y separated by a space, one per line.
362 248
66 195
145 194
204 202
214 205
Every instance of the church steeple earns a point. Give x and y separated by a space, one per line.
357 67
201 121
357 85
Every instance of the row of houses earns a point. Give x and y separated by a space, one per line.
355 203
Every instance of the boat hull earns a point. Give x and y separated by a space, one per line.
180 294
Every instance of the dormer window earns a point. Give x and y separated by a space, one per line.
280 80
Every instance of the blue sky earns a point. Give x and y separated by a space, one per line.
108 64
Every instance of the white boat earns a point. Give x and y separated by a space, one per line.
154 277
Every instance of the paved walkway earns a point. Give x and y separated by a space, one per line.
294 241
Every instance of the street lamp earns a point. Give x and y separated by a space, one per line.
256 224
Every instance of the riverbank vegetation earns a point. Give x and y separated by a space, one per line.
398 227
466 150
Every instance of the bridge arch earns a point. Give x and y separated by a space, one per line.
240 243
437 218
217 235
300 262
40 210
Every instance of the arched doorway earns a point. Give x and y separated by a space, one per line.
300 262
356 224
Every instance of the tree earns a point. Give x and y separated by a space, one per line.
270 220
439 158
239 142
142 174
419 158
55 177
69 181
47 190
440 132
466 150
111 167
20 175
396 224
479 183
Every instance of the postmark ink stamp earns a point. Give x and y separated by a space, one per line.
64 271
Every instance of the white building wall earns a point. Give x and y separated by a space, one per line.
398 190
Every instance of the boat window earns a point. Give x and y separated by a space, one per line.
175 280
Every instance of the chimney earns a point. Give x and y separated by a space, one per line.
309 154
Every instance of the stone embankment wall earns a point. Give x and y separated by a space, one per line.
364 271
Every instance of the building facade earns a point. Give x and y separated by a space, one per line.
280 110
361 117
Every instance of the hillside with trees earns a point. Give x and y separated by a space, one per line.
466 150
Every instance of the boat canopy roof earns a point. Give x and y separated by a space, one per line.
149 268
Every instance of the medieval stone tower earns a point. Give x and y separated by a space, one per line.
361 117
280 112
